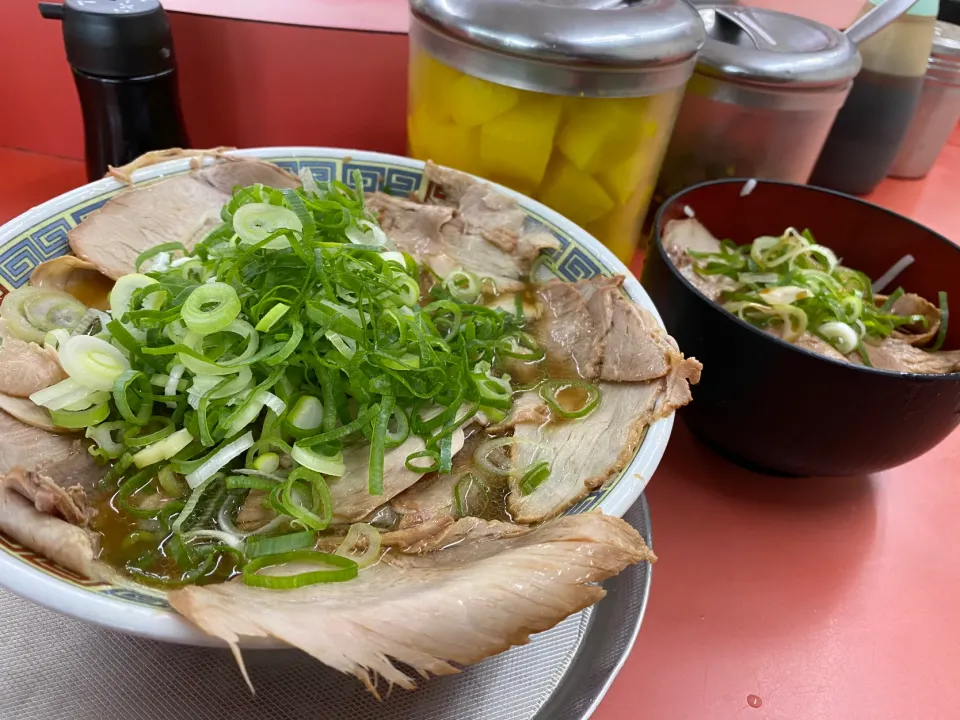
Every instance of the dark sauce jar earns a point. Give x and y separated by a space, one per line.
871 126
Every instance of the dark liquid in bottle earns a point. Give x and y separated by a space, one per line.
868 132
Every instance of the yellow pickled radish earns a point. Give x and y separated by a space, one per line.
430 85
590 125
473 101
619 229
443 142
416 136
623 179
600 132
515 147
571 191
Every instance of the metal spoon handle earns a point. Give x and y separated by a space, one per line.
869 24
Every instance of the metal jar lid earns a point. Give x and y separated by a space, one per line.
765 47
944 64
613 48
946 40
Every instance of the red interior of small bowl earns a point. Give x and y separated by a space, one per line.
865 237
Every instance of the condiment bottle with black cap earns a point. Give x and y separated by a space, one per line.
121 54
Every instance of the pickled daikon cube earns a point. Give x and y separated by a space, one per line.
572 192
622 180
473 101
430 86
444 142
515 147
603 132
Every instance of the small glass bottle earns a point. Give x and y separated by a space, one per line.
873 123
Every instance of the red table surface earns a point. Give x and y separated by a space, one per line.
822 598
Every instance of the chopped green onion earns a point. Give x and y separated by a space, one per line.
362 545
588 397
290 498
533 477
463 286
326 464
65 392
305 417
149 253
92 362
257 222
102 436
843 337
944 319
79 419
163 449
169 483
251 482
121 295
414 466
219 460
269 462
133 438
260 546
122 388
272 317
520 345
341 569
211 308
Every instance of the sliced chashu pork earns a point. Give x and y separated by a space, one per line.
917 333
183 209
431 612
62 458
432 499
25 367
43 478
439 534
471 227
591 329
352 500
48 534
679 236
899 356
584 454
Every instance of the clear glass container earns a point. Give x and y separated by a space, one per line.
587 143
594 160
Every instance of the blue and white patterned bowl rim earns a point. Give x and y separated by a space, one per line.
41 233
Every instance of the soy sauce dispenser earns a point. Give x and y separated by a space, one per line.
121 54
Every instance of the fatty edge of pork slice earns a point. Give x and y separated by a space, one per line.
431 612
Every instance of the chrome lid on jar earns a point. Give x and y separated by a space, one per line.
946 40
773 48
571 47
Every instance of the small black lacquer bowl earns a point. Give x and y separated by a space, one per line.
771 406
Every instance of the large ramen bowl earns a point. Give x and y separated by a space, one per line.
41 234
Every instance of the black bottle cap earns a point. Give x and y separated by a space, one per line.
114 38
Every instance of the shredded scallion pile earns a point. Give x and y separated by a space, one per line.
792 285
291 332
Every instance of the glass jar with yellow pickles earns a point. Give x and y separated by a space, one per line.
571 103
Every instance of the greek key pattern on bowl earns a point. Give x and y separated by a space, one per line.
48 239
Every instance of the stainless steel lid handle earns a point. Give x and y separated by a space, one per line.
746 22
877 19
